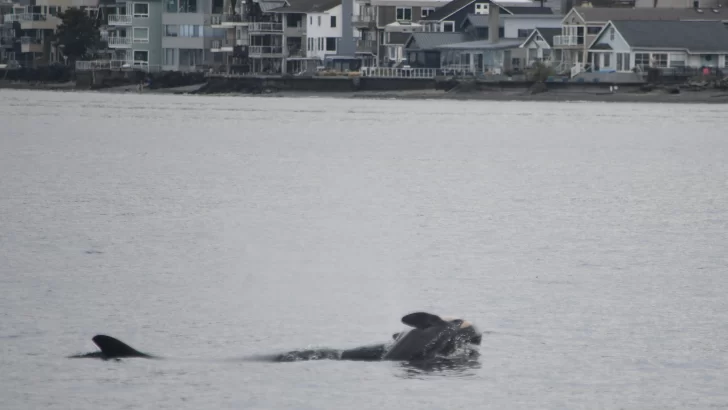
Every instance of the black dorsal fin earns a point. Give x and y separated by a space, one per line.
111 347
422 320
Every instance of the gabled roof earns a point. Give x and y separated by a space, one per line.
448 10
307 6
517 10
482 45
547 33
431 40
692 36
481 20
605 14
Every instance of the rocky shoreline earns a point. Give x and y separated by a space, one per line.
638 94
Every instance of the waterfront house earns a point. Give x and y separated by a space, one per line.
580 26
539 46
636 45
452 16
422 48
187 36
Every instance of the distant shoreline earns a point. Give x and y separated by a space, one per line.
657 96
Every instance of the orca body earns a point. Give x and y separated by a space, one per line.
432 337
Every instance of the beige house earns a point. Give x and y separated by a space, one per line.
581 25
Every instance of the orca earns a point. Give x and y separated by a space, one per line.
431 337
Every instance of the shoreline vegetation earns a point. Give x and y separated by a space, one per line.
648 94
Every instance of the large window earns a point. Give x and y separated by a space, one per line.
426 11
404 13
448 26
642 60
659 60
141 56
622 61
333 21
141 10
330 43
169 56
171 30
677 60
187 30
141 35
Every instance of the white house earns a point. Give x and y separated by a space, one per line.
323 32
622 46
539 46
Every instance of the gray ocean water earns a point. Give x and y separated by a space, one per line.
588 240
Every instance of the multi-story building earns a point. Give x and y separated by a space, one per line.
133 34
34 24
7 34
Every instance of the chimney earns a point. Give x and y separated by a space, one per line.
347 44
494 23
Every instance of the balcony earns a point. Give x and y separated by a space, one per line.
222 45
265 28
265 51
120 20
568 41
363 20
30 21
31 45
119 42
227 20
366 46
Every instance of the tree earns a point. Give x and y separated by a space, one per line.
78 34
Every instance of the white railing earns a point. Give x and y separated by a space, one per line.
363 18
11 18
576 69
220 19
269 27
30 40
265 50
365 45
565 41
120 19
116 65
119 41
387 72
241 42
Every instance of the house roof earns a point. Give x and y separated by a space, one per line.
693 36
483 45
517 10
447 10
307 6
604 14
481 20
432 40
548 34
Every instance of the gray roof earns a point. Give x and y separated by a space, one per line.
398 37
693 36
548 34
266 6
604 14
483 44
307 6
431 40
448 10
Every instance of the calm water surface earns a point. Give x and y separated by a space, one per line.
589 240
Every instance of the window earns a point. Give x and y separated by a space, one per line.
319 21
141 10
320 43
482 8
659 60
170 31
187 30
607 60
524 32
611 34
426 11
141 35
404 13
448 26
333 21
677 60
141 56
642 60
593 30
169 56
310 20
330 43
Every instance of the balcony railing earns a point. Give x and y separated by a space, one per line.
386 72
363 18
265 27
264 51
365 46
11 18
120 19
566 41
220 19
116 65
119 41
30 40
